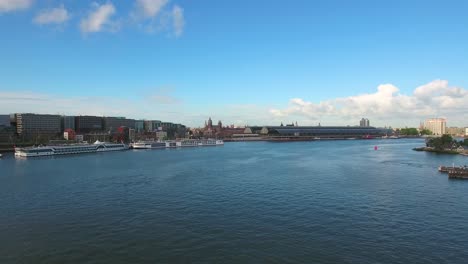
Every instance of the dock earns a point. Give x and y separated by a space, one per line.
458 175
460 172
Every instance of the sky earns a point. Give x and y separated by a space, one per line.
241 62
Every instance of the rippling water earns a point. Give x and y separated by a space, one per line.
313 202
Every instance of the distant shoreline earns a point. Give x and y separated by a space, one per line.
427 149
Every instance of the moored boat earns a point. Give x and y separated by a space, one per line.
210 142
68 149
148 145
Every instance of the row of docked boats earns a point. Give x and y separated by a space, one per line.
81 148
176 143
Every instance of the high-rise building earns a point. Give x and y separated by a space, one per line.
28 125
436 125
86 124
364 122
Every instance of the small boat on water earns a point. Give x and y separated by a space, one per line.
1 155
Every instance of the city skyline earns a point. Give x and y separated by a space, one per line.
396 63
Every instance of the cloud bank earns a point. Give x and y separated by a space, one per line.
151 15
13 5
386 105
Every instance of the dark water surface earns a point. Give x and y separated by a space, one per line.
314 202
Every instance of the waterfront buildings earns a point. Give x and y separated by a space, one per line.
40 128
436 125
456 131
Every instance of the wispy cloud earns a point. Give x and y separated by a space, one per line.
163 96
178 20
149 8
56 15
24 101
161 106
386 105
157 16
99 19
12 5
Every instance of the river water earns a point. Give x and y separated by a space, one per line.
255 202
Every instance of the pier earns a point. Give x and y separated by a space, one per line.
460 172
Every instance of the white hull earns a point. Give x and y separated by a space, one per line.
68 150
149 145
200 143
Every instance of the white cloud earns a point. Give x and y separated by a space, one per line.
56 15
178 20
149 8
156 16
99 19
12 5
386 106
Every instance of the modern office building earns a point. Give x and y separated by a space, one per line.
364 122
318 132
113 123
7 132
29 125
68 122
87 124
4 120
436 125
152 125
168 125
140 126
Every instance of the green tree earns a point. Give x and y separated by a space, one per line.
464 142
426 132
441 143
409 131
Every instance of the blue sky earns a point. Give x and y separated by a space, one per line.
243 62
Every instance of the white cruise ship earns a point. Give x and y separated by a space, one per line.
68 149
149 145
